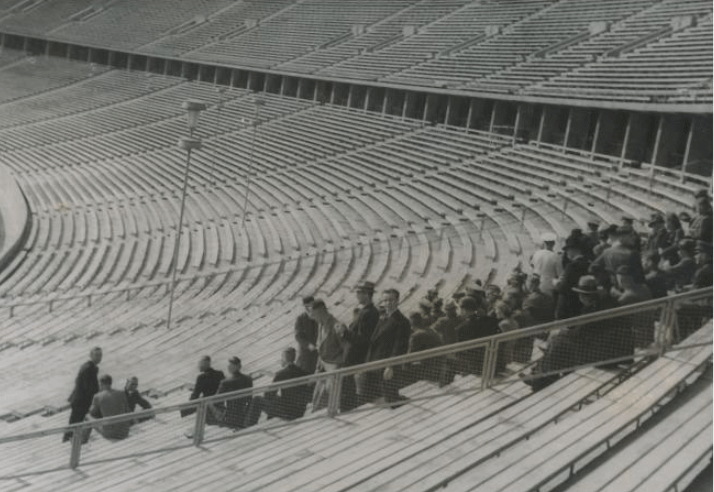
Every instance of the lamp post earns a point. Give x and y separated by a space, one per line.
258 103
193 109
221 91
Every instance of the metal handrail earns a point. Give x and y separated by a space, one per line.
487 343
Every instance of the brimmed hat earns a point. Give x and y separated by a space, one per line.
686 245
626 219
573 242
469 303
593 224
656 219
586 285
235 361
548 237
703 247
366 287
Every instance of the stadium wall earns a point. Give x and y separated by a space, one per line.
676 136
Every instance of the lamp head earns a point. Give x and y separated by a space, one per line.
194 109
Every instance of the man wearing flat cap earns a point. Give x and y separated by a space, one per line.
231 413
358 336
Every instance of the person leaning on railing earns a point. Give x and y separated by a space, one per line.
587 343
330 348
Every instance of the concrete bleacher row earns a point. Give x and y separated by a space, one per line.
541 48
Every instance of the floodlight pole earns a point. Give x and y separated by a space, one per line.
188 144
221 91
258 103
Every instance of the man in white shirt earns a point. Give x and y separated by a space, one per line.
547 264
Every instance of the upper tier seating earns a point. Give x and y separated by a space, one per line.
677 66
639 25
302 28
543 28
133 23
552 48
228 22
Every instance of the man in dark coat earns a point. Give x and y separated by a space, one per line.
446 325
306 337
290 403
568 304
390 339
475 324
358 336
588 343
231 413
537 304
622 252
207 382
86 386
134 398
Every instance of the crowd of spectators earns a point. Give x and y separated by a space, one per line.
592 271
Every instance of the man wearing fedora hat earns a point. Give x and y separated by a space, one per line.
358 336
568 303
587 343
657 238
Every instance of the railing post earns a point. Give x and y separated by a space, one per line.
12 311
664 334
333 402
489 364
200 424
76 447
